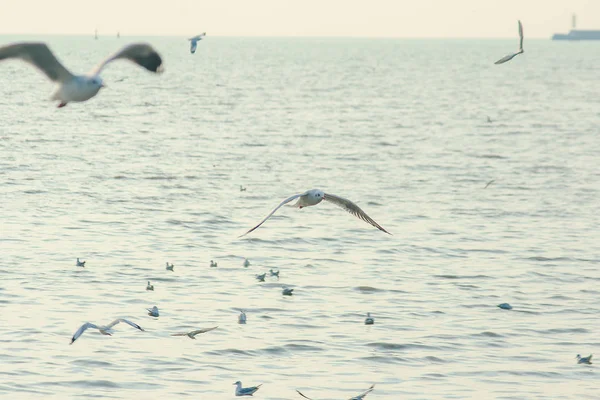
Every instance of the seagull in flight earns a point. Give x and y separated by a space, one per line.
78 88
105 330
359 397
249 391
521 51
315 196
192 334
194 41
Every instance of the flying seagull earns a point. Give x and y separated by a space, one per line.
194 41
315 196
249 391
489 183
105 330
192 334
80 263
77 88
511 56
359 397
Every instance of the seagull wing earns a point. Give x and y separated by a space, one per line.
521 35
142 54
193 46
362 395
194 333
506 58
40 56
116 321
352 209
82 329
276 208
300 393
179 334
249 390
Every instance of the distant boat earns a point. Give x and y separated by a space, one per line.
118 35
577 34
96 34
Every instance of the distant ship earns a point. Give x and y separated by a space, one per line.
96 34
577 34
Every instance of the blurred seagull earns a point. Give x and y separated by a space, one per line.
192 334
359 397
287 291
274 273
170 267
78 88
261 277
153 312
249 391
105 330
194 41
149 286
489 183
80 263
511 56
246 262
242 189
242 317
505 306
314 197
584 360
369 320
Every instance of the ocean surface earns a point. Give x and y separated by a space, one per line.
149 172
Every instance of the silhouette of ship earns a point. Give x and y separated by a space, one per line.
577 34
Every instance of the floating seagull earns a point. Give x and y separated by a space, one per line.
242 189
170 267
153 312
194 42
105 330
511 56
149 286
314 197
261 277
489 120
274 273
213 264
246 263
242 317
369 320
584 360
489 183
192 334
77 88
287 291
505 306
359 397
249 391
80 263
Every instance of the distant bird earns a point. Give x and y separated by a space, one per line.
194 42
249 391
242 189
80 263
274 273
213 264
149 286
170 267
105 330
153 312
505 306
192 334
489 183
261 277
369 320
246 263
287 291
584 360
489 120
242 317
359 397
78 88
314 197
511 56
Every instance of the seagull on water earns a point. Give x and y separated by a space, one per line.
521 51
505 306
77 88
105 330
149 286
213 264
315 196
153 312
170 267
194 41
192 334
584 360
359 397
80 263
246 263
369 320
249 391
261 277
287 291
242 189
242 317
274 273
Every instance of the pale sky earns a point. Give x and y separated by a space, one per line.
369 18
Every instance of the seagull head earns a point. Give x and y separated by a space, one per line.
97 81
238 383
316 195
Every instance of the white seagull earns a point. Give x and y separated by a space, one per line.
359 397
153 312
80 263
194 41
369 320
584 360
249 391
105 330
149 286
77 88
242 317
521 51
192 334
170 267
315 196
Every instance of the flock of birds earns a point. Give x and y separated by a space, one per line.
80 88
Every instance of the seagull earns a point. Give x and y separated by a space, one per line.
359 397
369 320
489 183
192 334
489 120
287 291
213 264
78 88
153 312
314 197
505 306
246 263
242 317
274 273
261 277
105 330
170 267
511 56
249 391
194 41
80 263
242 189
584 360
149 286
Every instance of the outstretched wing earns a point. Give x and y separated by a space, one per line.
178 334
521 35
362 395
193 46
506 58
194 333
142 54
300 393
82 329
38 55
276 208
116 321
352 209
